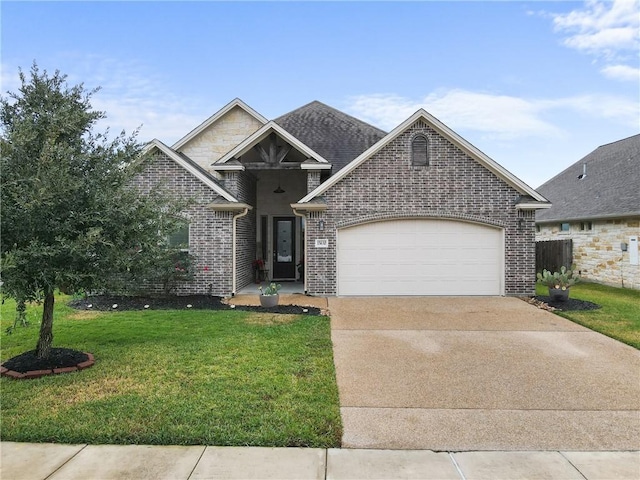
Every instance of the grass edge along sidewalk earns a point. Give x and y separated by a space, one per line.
619 317
178 377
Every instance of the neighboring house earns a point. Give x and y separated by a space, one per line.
417 211
596 203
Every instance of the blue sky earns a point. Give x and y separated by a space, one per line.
535 85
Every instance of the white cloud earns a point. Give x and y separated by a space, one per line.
607 30
622 72
496 117
9 80
129 94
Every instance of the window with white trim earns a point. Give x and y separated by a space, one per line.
565 227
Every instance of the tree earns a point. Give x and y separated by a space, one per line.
71 218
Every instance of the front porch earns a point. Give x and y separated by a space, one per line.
288 288
270 172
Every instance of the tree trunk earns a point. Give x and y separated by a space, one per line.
43 350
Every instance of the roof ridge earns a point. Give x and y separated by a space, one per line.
617 141
333 109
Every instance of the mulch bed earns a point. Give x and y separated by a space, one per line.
61 360
172 302
571 304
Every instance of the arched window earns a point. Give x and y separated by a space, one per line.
419 156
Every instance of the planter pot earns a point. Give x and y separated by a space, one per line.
269 300
559 295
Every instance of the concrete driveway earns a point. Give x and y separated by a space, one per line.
469 373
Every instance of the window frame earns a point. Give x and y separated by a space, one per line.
413 150
187 224
586 227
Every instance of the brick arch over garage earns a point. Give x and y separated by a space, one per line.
455 255
424 215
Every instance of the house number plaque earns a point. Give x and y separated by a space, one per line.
322 243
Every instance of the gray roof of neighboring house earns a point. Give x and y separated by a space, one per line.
336 136
611 187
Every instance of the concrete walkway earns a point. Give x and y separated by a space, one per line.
24 461
492 373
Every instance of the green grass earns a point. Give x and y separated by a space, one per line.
180 378
619 316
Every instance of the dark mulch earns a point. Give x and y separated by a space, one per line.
173 302
568 305
60 358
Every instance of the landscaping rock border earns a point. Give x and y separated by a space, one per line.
569 305
116 303
30 374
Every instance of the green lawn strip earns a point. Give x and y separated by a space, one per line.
619 316
179 377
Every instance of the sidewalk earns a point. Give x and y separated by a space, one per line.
26 461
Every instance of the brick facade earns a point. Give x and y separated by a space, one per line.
452 186
596 253
242 185
313 180
210 232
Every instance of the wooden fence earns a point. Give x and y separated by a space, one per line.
553 254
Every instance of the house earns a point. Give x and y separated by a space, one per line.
415 211
596 204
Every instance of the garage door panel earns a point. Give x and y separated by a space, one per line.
420 257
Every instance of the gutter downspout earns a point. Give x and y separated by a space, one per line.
295 212
233 248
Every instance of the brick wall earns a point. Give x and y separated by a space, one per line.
596 253
313 180
210 232
243 186
452 186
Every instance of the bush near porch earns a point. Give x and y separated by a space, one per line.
177 377
619 316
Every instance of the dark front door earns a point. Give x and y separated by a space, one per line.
284 252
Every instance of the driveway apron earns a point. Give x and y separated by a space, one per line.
479 373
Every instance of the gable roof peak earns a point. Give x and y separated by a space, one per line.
447 133
236 102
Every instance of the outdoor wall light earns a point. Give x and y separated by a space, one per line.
321 225
520 223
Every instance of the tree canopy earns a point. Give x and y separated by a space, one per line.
71 217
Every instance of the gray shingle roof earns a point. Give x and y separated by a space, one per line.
611 187
336 136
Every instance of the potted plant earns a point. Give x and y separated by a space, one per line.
269 297
558 282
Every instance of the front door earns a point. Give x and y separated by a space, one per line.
284 252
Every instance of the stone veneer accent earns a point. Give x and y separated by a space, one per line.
210 232
225 134
452 186
597 254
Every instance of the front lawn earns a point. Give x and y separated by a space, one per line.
619 316
177 377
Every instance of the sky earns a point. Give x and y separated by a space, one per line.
534 85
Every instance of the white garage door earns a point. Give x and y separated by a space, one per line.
420 257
